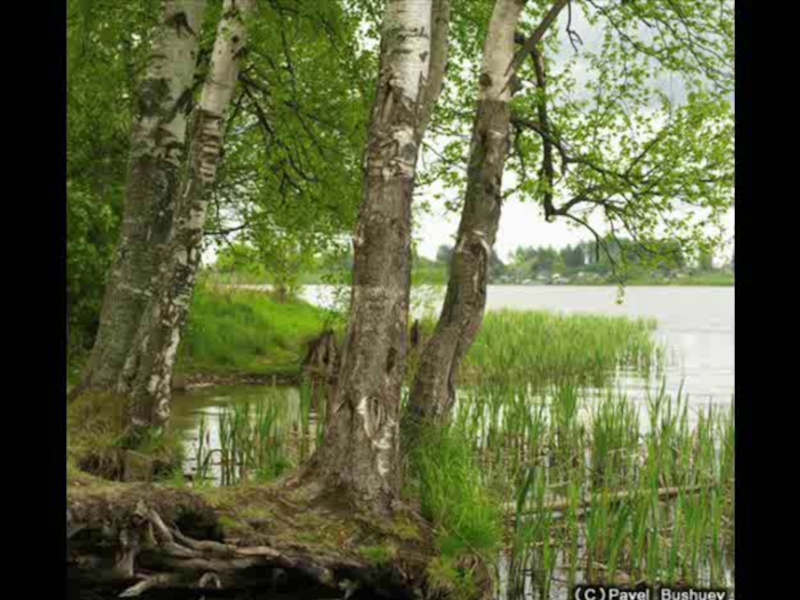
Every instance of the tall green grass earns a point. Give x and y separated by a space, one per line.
253 445
465 511
543 348
544 462
259 440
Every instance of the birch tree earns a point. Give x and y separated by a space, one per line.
433 390
148 370
359 457
157 149
641 169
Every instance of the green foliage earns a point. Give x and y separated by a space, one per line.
661 262
106 49
91 235
640 123
428 272
290 179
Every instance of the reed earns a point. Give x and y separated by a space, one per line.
593 490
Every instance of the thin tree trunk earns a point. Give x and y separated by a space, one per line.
440 46
433 391
358 460
157 148
148 370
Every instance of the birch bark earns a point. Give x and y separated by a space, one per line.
148 371
433 391
358 460
157 149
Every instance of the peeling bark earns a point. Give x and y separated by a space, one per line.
148 370
358 460
433 391
157 148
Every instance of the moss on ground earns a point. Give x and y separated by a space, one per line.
256 516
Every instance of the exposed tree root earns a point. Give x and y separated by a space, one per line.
146 540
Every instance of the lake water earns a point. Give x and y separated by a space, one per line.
696 323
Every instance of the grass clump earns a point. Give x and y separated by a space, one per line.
379 555
466 514
454 495
448 575
247 332
252 443
542 348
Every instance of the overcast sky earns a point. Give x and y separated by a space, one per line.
521 224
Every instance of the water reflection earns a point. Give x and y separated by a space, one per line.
200 417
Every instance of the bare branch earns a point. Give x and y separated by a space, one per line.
536 36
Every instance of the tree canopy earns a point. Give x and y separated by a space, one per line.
290 179
624 121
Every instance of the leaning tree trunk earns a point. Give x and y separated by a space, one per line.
147 375
157 149
358 460
433 391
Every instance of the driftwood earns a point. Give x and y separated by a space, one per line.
322 357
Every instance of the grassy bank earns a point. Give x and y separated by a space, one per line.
237 332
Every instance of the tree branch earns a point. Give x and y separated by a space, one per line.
534 38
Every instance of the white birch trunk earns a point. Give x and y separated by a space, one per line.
434 388
359 457
157 148
149 368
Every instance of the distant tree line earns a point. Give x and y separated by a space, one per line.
592 261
